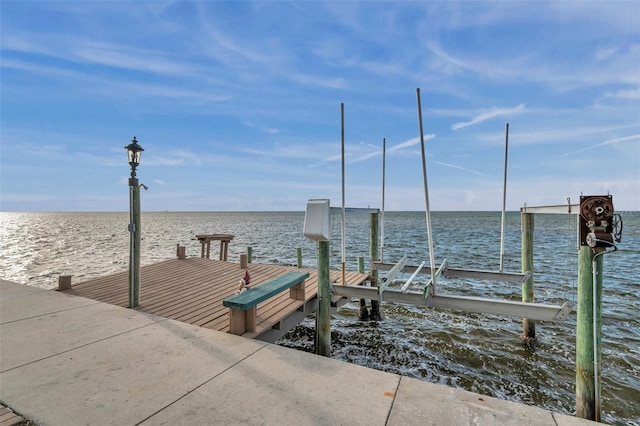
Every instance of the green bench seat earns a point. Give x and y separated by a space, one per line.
242 307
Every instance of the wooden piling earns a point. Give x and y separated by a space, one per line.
243 261
64 282
363 312
374 255
249 254
299 257
528 326
323 313
588 352
181 252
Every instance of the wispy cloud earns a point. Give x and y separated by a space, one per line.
398 147
453 166
624 94
252 90
607 142
488 115
553 136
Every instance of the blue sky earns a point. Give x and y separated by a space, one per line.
237 104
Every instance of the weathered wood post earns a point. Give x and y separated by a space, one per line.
528 326
249 254
363 312
588 324
299 257
64 282
316 228
373 254
181 252
323 314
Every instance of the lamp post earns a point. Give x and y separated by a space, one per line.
134 150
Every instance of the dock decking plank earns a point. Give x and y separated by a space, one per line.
191 290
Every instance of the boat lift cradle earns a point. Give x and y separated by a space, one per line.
429 296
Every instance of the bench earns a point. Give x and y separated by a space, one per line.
242 307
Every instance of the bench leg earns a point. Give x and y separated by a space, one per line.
241 322
297 292
250 319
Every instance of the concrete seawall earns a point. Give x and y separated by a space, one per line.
67 360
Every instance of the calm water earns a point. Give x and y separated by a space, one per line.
479 353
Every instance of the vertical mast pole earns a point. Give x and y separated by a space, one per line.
342 248
426 193
504 196
384 151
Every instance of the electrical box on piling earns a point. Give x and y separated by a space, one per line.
598 225
316 220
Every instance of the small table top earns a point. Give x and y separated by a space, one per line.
214 237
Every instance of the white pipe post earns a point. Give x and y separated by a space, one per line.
504 196
426 192
384 151
342 248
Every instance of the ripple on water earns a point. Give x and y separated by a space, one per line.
480 353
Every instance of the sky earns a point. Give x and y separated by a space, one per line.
238 104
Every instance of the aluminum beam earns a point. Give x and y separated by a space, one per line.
560 209
509 277
535 311
391 275
336 210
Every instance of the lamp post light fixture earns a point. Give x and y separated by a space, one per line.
134 151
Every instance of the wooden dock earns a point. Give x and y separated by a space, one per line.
191 290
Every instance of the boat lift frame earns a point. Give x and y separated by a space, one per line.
429 296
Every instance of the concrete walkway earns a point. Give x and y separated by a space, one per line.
67 360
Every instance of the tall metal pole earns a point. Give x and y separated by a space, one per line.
588 333
528 325
134 229
323 314
504 196
426 192
342 230
384 152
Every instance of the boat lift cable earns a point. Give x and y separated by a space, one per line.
426 193
342 229
504 196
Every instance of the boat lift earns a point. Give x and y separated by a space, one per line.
429 297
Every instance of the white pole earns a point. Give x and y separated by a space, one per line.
384 151
504 196
426 193
343 219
